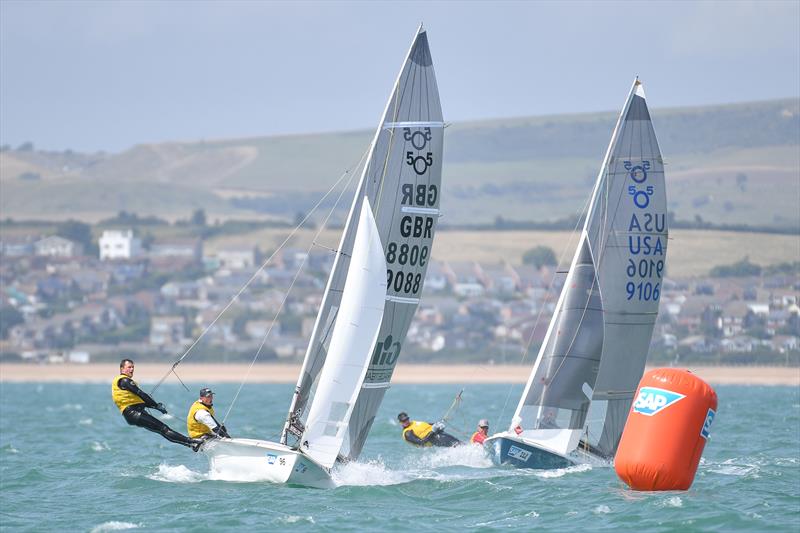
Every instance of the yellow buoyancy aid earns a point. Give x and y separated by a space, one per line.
123 398
198 429
419 429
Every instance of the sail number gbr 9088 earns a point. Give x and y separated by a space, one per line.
406 261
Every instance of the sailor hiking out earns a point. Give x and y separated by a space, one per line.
200 422
132 401
424 434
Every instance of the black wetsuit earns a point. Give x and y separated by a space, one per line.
135 415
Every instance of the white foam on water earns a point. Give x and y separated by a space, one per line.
65 407
114 525
731 467
177 474
370 473
467 455
293 519
85 422
674 501
532 514
560 472
100 446
602 509
10 449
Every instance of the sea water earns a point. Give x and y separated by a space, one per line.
69 462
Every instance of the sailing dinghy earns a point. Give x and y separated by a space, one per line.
370 298
577 398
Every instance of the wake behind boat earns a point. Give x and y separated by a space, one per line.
370 298
579 393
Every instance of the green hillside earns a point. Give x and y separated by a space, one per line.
727 164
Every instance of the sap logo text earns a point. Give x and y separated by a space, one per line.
652 400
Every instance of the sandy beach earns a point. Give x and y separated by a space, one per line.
282 373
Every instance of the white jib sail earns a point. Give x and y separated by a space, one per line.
352 342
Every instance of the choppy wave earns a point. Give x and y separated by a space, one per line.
114 525
9 448
368 474
177 474
294 519
65 407
421 464
100 446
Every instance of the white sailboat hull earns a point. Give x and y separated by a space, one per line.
260 460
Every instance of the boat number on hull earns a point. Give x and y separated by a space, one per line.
519 453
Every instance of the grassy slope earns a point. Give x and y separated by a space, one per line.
533 168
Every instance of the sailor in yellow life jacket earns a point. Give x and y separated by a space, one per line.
132 401
424 434
200 421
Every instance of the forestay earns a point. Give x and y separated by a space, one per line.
352 339
596 345
401 179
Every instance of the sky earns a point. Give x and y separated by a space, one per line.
92 76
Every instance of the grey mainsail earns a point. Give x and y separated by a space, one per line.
401 179
596 346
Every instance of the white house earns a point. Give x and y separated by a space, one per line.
117 244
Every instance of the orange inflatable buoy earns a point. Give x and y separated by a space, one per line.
667 429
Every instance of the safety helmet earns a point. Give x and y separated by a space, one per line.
402 417
205 392
483 423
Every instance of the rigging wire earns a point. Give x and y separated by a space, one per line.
252 278
289 290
